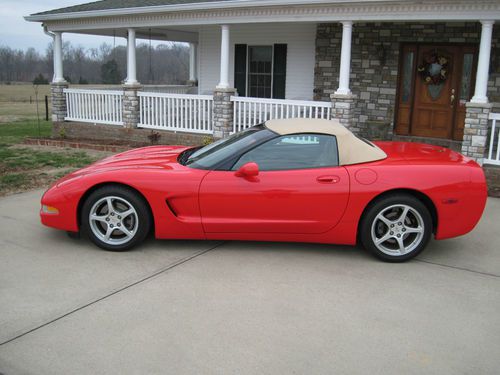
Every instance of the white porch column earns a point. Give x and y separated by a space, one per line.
126 78
131 59
483 64
345 59
193 76
58 59
224 58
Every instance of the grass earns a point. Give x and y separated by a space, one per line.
22 92
13 180
17 102
22 167
15 132
26 167
23 159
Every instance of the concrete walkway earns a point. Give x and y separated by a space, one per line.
186 307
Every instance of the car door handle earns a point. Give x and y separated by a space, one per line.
328 179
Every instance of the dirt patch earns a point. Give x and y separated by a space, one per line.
20 182
27 167
82 144
94 154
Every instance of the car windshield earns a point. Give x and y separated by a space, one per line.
209 157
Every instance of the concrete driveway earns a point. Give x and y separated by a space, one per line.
185 307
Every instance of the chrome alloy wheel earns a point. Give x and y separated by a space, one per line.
397 230
113 220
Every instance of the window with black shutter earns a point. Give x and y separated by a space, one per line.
260 71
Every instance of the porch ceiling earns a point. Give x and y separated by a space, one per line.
185 34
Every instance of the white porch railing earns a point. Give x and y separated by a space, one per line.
252 111
171 89
95 106
176 112
493 156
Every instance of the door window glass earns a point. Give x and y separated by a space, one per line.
298 151
466 80
407 76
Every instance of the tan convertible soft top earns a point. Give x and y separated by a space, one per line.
352 150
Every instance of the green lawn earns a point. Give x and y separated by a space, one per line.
15 132
24 159
24 167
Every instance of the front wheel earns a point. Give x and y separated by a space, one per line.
396 228
115 218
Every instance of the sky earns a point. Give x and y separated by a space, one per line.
17 33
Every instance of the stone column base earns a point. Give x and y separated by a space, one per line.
59 108
343 110
130 105
476 130
223 112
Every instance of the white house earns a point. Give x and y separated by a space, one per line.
426 70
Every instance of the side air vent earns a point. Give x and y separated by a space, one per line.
170 208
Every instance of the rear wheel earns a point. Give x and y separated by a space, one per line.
115 218
396 228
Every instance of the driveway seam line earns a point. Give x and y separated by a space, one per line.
146 278
458 268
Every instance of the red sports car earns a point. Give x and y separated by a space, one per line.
284 180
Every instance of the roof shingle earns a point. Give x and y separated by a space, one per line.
120 4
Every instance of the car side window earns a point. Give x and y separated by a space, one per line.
297 151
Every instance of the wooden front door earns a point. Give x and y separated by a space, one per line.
435 83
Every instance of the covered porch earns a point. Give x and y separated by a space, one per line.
233 85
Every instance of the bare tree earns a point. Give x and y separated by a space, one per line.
164 64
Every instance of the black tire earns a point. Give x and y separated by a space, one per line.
412 233
138 223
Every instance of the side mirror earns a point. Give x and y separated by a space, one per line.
248 170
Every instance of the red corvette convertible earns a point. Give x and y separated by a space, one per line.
284 180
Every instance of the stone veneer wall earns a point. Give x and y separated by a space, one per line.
476 131
130 105
375 61
58 100
223 112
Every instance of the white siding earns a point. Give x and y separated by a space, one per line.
300 38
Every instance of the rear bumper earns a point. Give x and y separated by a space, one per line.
456 218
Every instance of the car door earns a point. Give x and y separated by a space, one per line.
299 189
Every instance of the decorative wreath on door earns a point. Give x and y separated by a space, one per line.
434 69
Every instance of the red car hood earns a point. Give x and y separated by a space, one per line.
164 157
421 153
154 156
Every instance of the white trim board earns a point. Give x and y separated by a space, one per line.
315 11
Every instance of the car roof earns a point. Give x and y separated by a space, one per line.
352 150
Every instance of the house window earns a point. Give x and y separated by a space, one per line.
260 71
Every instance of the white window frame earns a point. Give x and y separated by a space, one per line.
248 69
